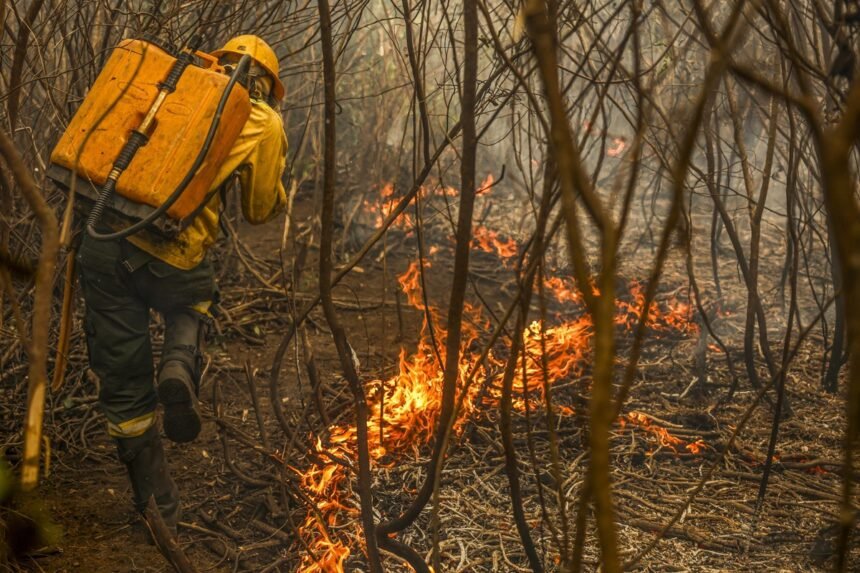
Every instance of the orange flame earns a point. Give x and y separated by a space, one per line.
486 184
620 144
563 290
664 438
380 207
405 408
490 241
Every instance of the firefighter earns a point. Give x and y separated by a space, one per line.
122 280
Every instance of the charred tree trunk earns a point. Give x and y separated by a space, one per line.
456 303
575 185
835 148
837 348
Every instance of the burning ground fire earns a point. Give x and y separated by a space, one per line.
404 408
663 437
378 209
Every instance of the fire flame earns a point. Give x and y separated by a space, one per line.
405 407
663 437
619 145
490 241
486 184
379 208
379 211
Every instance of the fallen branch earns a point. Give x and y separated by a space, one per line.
165 541
688 532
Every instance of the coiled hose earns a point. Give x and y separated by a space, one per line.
137 139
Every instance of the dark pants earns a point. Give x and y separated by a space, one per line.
121 284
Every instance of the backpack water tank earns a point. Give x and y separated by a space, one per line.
116 105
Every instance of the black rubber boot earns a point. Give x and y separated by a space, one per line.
179 374
143 456
177 394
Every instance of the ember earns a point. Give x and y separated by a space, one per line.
663 437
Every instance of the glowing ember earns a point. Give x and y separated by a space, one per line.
696 447
814 470
663 437
619 145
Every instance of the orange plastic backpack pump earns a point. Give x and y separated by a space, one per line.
128 101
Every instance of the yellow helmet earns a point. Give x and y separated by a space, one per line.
262 53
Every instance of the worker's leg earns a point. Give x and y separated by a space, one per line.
117 328
179 374
182 297
143 456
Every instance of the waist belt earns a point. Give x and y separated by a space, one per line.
136 260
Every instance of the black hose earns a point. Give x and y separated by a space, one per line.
110 185
129 150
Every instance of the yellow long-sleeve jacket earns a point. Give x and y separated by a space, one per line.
259 155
